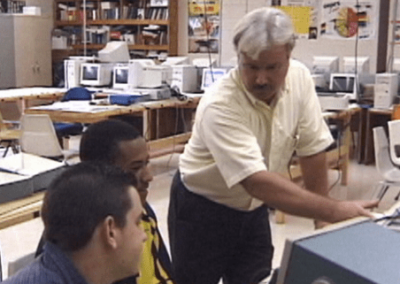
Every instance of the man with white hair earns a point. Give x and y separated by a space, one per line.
247 127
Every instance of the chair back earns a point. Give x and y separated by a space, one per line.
18 264
381 147
38 136
10 111
3 126
77 94
394 141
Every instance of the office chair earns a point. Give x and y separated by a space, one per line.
394 141
68 129
384 165
15 265
9 137
39 138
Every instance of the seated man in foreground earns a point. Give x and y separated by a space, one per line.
118 143
92 216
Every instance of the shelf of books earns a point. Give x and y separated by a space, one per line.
148 25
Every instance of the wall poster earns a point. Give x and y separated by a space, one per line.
346 19
204 28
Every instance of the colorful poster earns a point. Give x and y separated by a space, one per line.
306 23
204 29
300 17
347 19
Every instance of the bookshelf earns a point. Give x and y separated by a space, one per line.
147 25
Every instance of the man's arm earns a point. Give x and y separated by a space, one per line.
315 176
282 194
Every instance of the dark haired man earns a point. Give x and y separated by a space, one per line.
92 216
118 143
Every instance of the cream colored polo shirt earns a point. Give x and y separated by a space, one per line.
236 135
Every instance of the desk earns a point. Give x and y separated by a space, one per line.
21 210
374 117
148 110
27 94
338 157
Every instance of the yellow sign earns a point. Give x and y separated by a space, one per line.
198 7
300 17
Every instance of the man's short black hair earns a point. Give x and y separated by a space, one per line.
79 199
100 141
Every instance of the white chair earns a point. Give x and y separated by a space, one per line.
16 265
384 165
394 141
39 138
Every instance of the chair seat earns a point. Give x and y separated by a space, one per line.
392 175
13 134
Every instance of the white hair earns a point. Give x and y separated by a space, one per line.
263 29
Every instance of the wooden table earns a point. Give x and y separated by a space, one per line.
374 117
21 210
148 110
25 95
336 158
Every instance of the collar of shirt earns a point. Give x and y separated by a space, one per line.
56 260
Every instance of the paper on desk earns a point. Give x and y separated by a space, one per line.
26 92
76 106
27 164
6 178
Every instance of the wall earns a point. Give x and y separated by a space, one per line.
394 15
232 10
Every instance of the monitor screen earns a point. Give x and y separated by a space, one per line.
210 76
121 75
343 84
90 72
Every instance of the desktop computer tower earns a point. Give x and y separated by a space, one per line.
385 89
184 78
72 71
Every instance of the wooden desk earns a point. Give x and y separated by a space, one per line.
148 110
29 94
336 158
374 117
21 210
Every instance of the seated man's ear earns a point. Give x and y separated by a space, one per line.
109 232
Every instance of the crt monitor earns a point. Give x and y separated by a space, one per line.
176 60
114 51
95 74
355 251
325 64
345 83
349 63
396 66
210 76
120 77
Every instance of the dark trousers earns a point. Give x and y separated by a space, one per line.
210 241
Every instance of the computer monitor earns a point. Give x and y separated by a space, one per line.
349 63
210 76
345 84
114 51
120 77
96 74
176 60
396 66
354 251
325 64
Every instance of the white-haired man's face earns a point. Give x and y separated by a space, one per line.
265 76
